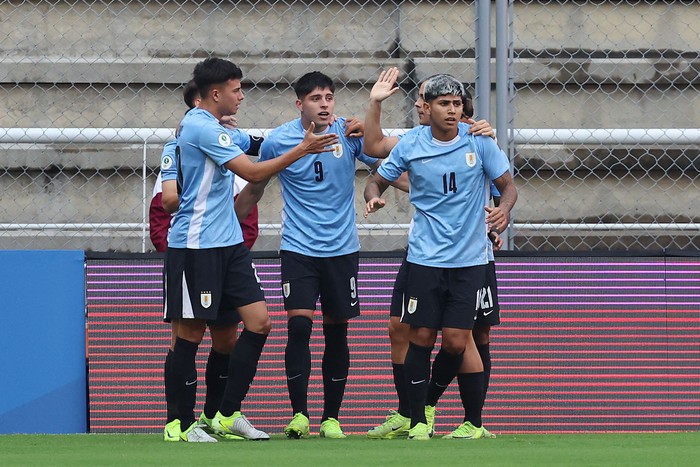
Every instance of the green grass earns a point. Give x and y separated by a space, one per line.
658 449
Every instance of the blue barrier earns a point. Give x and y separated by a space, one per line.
42 360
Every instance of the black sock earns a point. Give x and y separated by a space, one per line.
485 354
181 379
242 367
216 376
417 366
445 368
335 368
401 390
170 395
471 391
297 362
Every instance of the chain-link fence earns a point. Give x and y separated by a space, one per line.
601 117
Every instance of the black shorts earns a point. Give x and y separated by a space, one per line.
398 291
488 313
438 298
210 284
333 279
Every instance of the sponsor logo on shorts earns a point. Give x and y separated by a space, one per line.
205 298
286 289
412 305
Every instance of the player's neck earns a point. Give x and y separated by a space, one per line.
211 108
305 122
444 134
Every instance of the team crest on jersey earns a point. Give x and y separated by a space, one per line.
205 299
166 163
224 140
412 305
286 289
471 159
338 151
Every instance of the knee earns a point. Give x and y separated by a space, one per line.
261 325
398 332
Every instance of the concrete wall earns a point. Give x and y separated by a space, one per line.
82 64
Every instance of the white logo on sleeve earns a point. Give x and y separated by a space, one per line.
224 140
166 163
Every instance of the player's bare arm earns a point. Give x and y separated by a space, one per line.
248 198
498 218
376 143
374 188
261 171
170 199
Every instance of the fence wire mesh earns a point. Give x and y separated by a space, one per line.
84 73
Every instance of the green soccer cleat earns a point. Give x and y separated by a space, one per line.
172 431
487 433
330 428
298 427
237 425
195 434
430 418
395 426
466 431
206 424
419 432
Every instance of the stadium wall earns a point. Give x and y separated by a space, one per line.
587 343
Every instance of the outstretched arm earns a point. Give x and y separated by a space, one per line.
261 171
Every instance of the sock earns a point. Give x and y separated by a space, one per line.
170 396
485 354
216 376
471 391
297 362
181 380
417 367
401 389
445 368
335 368
242 366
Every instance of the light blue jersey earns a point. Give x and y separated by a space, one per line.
168 158
205 217
449 184
318 191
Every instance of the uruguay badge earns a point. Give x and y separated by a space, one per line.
471 159
205 299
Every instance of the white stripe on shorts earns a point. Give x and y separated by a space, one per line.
187 311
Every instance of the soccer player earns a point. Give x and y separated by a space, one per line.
398 422
209 273
448 172
319 251
159 219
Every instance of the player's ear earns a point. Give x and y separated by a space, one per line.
298 104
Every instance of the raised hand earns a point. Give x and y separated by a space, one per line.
385 85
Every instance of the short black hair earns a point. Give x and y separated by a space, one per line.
467 104
214 71
190 93
310 81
